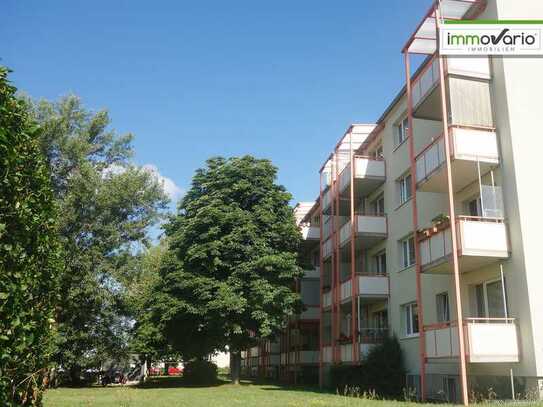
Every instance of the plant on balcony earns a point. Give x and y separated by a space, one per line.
440 220
344 339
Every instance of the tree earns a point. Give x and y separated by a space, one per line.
233 247
107 206
29 255
147 335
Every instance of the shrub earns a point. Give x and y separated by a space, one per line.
382 372
29 255
200 372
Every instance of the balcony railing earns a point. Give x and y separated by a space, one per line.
327 299
428 78
425 81
327 354
370 228
369 285
372 335
310 232
469 146
369 171
327 248
488 340
480 241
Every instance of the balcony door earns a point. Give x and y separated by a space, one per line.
490 299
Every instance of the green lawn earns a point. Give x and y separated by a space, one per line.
167 392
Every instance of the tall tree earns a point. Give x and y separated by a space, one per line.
29 255
235 244
107 206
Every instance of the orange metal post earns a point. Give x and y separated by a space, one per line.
321 274
456 268
422 345
354 329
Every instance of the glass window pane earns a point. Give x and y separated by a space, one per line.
495 300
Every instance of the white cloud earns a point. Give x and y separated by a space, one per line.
170 187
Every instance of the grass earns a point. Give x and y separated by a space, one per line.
170 391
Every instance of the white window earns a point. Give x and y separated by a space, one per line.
402 131
404 188
411 318
380 263
407 252
442 304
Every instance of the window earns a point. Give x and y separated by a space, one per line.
378 153
407 247
380 263
473 207
442 303
404 188
411 319
489 299
378 205
402 131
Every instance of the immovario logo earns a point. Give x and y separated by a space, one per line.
491 37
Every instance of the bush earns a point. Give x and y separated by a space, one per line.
200 372
382 372
29 255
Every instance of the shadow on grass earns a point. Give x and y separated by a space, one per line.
166 382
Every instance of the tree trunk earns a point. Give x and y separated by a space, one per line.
235 366
75 375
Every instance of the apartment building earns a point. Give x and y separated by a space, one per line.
429 221
293 357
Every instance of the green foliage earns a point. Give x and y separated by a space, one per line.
29 255
148 334
232 259
107 206
200 372
382 371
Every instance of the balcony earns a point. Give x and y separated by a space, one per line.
369 174
312 273
467 84
372 285
327 354
469 146
346 352
304 357
327 248
488 340
369 230
310 232
326 200
369 285
481 241
310 313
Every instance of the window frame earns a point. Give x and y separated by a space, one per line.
404 188
443 309
407 251
409 321
402 131
378 264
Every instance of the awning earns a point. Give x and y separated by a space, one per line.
424 39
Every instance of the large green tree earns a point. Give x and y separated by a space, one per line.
233 247
107 206
29 255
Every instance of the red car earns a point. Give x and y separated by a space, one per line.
175 371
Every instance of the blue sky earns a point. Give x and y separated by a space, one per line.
277 79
